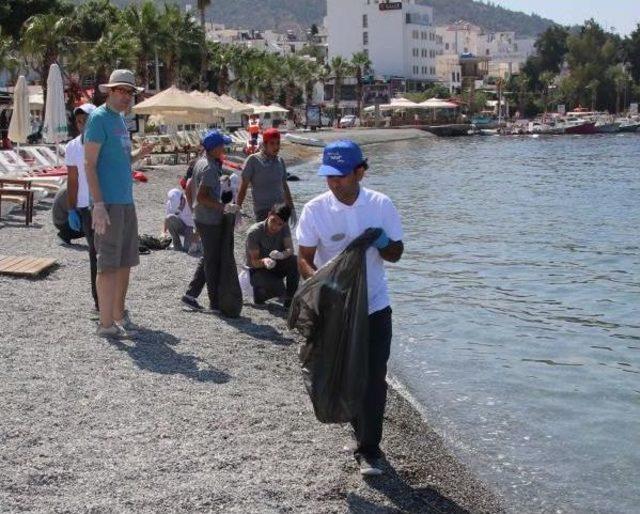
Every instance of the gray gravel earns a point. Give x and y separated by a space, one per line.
199 414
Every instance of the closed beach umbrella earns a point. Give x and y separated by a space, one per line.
20 126
55 128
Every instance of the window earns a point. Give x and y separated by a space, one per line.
365 21
366 52
488 51
365 38
446 46
453 76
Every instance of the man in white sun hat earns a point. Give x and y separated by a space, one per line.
108 158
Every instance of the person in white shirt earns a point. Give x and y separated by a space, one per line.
78 188
328 224
178 221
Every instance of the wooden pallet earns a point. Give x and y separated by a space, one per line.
24 266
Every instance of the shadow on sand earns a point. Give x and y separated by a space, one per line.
152 350
404 497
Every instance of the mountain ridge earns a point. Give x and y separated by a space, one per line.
301 14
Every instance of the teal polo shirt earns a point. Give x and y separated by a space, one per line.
108 128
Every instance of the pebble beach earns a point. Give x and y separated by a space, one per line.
198 414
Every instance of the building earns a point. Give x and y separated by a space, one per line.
506 53
399 37
284 44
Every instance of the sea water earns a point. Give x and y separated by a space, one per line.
517 308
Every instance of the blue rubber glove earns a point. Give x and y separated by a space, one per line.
382 242
74 220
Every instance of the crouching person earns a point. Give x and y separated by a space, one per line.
271 259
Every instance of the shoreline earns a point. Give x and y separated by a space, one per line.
200 413
296 154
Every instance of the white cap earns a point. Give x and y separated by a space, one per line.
85 108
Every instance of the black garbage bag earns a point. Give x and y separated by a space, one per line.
331 311
229 291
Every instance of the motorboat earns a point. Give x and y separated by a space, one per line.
603 127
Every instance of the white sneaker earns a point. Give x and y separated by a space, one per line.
126 323
113 332
370 467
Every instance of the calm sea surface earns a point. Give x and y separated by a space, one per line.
517 308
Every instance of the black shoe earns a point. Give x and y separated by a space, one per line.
370 466
191 302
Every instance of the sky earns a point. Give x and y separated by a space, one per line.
624 15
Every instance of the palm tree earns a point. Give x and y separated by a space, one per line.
340 68
144 23
44 37
8 58
115 49
361 63
311 74
294 70
202 7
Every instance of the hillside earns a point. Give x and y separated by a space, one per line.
284 14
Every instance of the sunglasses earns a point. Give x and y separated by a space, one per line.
125 91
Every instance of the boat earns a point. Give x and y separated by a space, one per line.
576 126
627 125
306 141
603 127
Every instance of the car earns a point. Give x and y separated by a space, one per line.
348 121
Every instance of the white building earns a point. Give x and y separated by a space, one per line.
270 41
506 52
399 37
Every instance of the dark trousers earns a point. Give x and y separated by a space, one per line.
85 216
368 425
67 234
268 284
262 214
208 271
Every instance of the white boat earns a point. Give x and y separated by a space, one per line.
629 125
306 141
603 127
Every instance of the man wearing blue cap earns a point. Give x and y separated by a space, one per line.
208 211
328 224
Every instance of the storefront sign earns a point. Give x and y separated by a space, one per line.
391 6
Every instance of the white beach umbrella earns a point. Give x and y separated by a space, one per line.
20 126
55 128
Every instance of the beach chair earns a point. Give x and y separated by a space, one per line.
13 163
49 155
31 154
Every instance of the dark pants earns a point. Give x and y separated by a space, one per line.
85 216
368 425
208 271
262 214
67 234
268 284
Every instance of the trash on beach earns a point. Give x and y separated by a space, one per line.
331 311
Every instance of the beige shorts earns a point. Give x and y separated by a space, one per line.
118 246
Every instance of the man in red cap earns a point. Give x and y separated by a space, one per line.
266 173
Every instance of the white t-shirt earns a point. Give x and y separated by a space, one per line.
74 156
329 226
175 205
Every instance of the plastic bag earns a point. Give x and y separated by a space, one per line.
245 284
229 292
331 311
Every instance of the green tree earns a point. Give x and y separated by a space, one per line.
90 20
547 79
117 48
361 64
44 37
632 53
340 69
15 13
8 57
144 22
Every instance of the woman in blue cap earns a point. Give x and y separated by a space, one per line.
328 224
208 211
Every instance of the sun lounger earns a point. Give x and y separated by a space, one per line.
13 163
